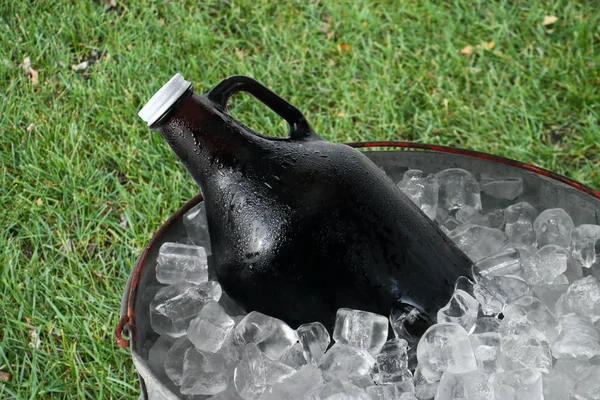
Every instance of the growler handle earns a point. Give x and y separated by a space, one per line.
220 95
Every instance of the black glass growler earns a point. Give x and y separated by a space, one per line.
300 227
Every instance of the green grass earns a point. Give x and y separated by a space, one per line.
83 190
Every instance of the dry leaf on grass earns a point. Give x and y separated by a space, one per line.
486 45
345 47
38 202
326 25
80 66
123 222
5 376
467 50
30 127
30 71
549 20
35 341
239 54
341 114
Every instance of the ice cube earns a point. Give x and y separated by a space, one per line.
403 319
405 386
501 186
469 214
531 310
407 396
546 265
294 357
461 310
588 388
523 384
478 242
423 191
382 392
390 391
458 187
210 328
174 359
337 390
583 244
392 361
553 226
228 394
578 339
572 368
203 373
525 351
314 339
445 347
465 284
508 327
486 325
519 223
493 219
181 263
574 270
210 291
157 355
566 373
425 390
176 305
273 336
471 385
486 347
505 288
582 297
360 329
505 262
295 386
365 381
557 385
345 362
196 225
549 294
450 224
256 371
490 305
231 350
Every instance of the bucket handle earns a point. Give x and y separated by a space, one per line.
220 94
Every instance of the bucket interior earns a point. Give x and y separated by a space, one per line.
541 191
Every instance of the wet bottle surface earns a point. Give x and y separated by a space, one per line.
301 227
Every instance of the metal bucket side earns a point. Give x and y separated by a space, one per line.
126 332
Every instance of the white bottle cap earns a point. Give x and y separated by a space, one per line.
163 99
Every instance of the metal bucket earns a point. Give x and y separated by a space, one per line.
540 187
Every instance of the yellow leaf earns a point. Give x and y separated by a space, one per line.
80 66
486 45
239 54
345 46
341 114
30 71
549 20
467 50
38 202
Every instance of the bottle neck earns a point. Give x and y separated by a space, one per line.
205 138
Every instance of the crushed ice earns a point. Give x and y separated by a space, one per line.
526 328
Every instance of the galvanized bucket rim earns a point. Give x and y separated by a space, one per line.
125 330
